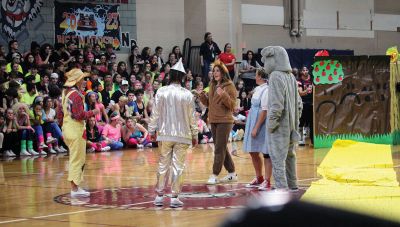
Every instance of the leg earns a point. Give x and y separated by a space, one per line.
257 164
218 154
132 142
77 159
55 130
278 158
178 165
227 159
291 173
164 165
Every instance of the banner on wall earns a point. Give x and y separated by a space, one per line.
87 23
16 13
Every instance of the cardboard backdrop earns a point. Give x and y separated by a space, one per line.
355 103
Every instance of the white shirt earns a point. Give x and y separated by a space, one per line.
264 99
239 117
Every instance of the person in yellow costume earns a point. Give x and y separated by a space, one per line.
74 126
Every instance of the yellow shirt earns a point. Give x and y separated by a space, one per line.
37 77
27 98
8 68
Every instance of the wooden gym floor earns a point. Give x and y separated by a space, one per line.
34 190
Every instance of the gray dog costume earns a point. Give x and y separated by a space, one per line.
284 111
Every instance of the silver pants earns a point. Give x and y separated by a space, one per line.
172 156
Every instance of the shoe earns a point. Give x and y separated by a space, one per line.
43 146
240 134
11 153
52 151
213 179
63 150
42 152
140 146
211 140
80 193
203 141
149 145
24 153
32 152
51 139
294 190
254 183
231 177
90 150
175 203
106 148
159 201
265 186
58 150
302 143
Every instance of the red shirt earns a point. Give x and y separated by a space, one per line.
76 107
227 58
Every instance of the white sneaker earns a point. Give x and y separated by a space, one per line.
159 201
211 140
80 193
140 146
175 203
24 153
11 153
231 177
43 146
203 141
51 139
213 179
90 150
32 152
52 151
149 145
42 152
63 150
106 148
58 149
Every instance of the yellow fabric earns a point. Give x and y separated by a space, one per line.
358 177
27 98
37 77
393 53
8 68
73 132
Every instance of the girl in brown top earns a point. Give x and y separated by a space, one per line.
221 101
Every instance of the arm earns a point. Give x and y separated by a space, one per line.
153 124
260 121
77 108
228 97
125 133
193 123
104 113
143 130
276 102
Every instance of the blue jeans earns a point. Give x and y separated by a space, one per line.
205 70
54 129
116 145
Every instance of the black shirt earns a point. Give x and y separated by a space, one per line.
209 51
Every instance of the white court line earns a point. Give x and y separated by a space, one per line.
15 220
68 213
134 204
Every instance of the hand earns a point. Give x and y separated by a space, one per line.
220 91
194 142
32 129
254 132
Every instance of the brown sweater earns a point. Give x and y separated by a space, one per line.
220 107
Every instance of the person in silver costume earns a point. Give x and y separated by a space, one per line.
174 120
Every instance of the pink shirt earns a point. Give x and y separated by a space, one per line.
112 133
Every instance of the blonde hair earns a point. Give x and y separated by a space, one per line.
18 105
123 99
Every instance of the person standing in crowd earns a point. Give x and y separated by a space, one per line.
306 92
254 137
209 51
284 110
228 59
247 70
177 129
221 102
74 127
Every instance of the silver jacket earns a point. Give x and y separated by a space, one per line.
173 115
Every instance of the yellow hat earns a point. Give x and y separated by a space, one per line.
73 76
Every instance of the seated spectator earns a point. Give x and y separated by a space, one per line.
91 103
25 129
140 106
33 71
9 100
35 116
245 103
122 91
112 132
53 131
135 134
121 69
239 124
106 95
10 131
42 87
204 135
14 65
30 94
123 108
94 140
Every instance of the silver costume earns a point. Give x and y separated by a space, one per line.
173 118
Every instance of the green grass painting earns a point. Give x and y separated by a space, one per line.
324 141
